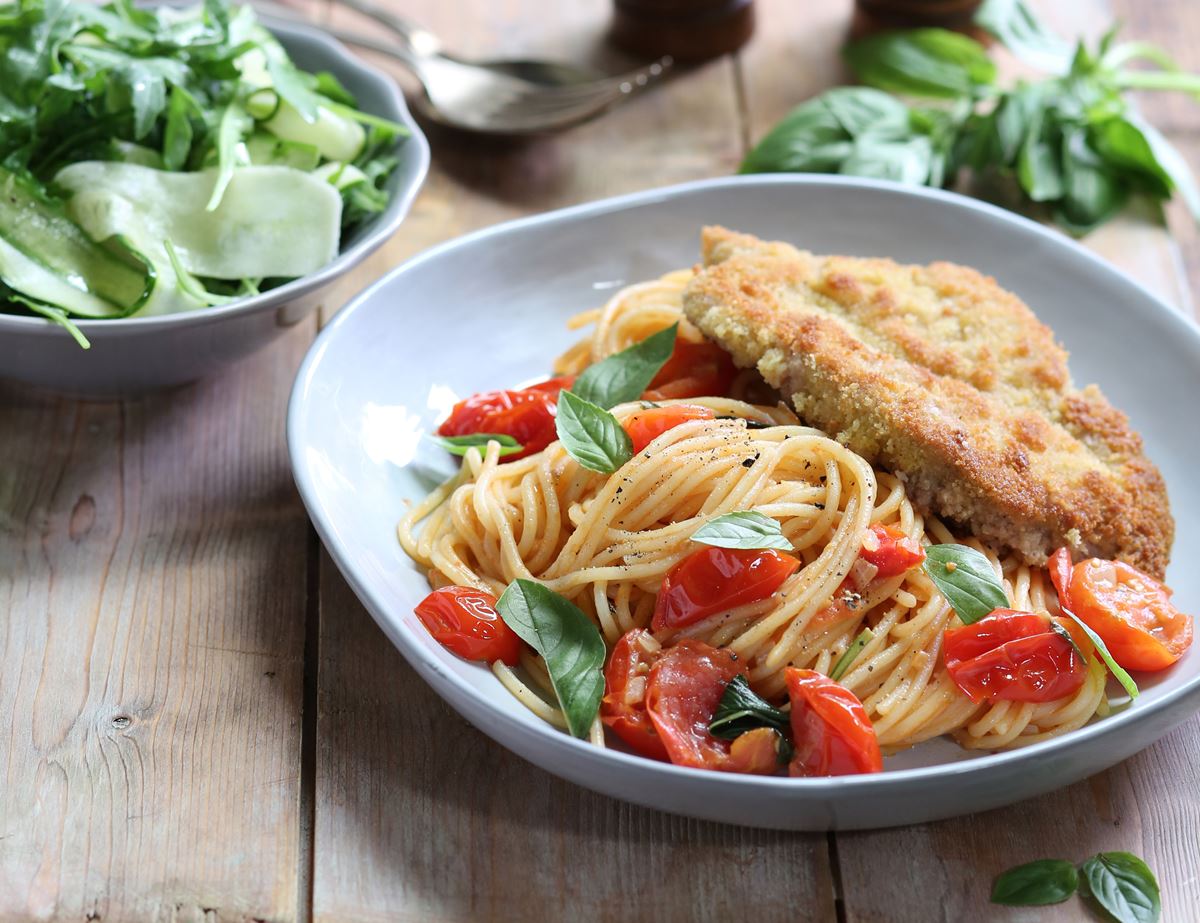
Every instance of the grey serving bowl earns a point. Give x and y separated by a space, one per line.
143 353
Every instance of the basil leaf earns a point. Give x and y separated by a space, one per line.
1092 191
1124 886
1046 881
569 643
624 376
864 112
458 445
901 161
741 710
1113 667
591 435
855 648
1172 163
1014 24
922 62
965 577
1039 170
743 529
1123 145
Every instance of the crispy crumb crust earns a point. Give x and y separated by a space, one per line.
938 374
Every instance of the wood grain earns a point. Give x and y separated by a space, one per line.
152 560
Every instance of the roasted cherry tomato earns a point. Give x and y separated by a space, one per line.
526 415
1130 611
714 580
694 370
623 707
1013 656
685 687
831 732
465 620
891 551
647 425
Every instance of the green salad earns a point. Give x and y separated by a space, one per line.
161 160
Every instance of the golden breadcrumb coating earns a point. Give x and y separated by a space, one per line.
938 374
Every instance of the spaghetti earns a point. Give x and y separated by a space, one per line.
606 543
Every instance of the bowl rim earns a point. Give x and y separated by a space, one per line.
425 662
383 227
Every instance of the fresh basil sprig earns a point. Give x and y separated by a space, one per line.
852 652
1071 140
624 376
569 643
742 529
459 445
965 577
1119 882
1046 881
741 710
1124 886
591 435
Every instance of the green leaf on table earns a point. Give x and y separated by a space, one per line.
852 652
1123 885
1092 190
567 640
906 161
623 377
1039 170
864 112
1125 146
591 435
922 62
1046 881
1172 163
1024 34
966 578
742 529
459 445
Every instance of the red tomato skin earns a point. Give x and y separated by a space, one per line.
897 552
685 687
831 732
629 721
1131 612
647 425
465 621
1012 656
526 415
694 370
1060 569
714 580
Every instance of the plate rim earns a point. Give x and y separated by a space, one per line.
433 673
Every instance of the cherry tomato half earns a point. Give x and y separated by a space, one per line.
893 552
1131 612
685 687
647 425
714 580
694 370
1014 657
526 415
465 621
830 729
623 707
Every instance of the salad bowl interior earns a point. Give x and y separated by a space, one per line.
388 368
136 354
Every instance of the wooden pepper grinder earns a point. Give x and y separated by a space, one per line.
687 30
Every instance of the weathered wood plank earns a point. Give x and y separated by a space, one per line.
152 598
419 816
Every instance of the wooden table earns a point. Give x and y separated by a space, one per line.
202 724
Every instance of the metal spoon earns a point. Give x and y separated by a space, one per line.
496 97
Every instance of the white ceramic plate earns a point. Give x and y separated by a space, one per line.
487 311
139 353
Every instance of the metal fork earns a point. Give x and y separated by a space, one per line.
498 97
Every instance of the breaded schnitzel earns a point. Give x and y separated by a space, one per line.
938 374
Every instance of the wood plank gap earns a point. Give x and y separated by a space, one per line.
741 101
835 873
308 734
